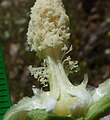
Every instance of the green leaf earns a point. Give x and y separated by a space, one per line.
101 107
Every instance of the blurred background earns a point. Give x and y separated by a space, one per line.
90 28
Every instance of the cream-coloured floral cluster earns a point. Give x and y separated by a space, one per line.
49 26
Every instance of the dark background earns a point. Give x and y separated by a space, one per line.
90 28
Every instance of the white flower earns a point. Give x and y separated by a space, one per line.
48 26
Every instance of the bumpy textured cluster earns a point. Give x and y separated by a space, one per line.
49 26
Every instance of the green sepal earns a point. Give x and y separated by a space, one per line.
43 115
